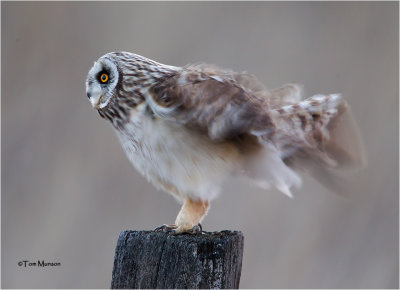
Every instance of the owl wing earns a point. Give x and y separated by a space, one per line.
317 134
213 101
225 105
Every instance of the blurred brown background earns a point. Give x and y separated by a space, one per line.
68 190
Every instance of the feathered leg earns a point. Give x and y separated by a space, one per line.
189 217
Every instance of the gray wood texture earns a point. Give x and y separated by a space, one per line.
148 259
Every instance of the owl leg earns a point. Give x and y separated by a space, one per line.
189 217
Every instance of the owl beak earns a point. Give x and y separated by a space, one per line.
95 101
98 102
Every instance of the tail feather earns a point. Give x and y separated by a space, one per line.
326 139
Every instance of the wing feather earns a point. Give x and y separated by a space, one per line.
215 103
311 134
225 105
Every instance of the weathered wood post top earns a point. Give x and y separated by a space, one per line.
149 259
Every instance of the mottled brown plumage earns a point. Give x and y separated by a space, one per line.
188 129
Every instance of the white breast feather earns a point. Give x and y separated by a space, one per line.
166 152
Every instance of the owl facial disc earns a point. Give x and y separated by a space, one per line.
101 82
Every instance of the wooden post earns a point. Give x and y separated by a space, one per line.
148 259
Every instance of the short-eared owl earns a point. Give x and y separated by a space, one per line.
188 129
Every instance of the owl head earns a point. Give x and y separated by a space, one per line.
123 75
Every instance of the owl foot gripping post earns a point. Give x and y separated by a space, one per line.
189 129
189 217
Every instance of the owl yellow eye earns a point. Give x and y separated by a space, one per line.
104 78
